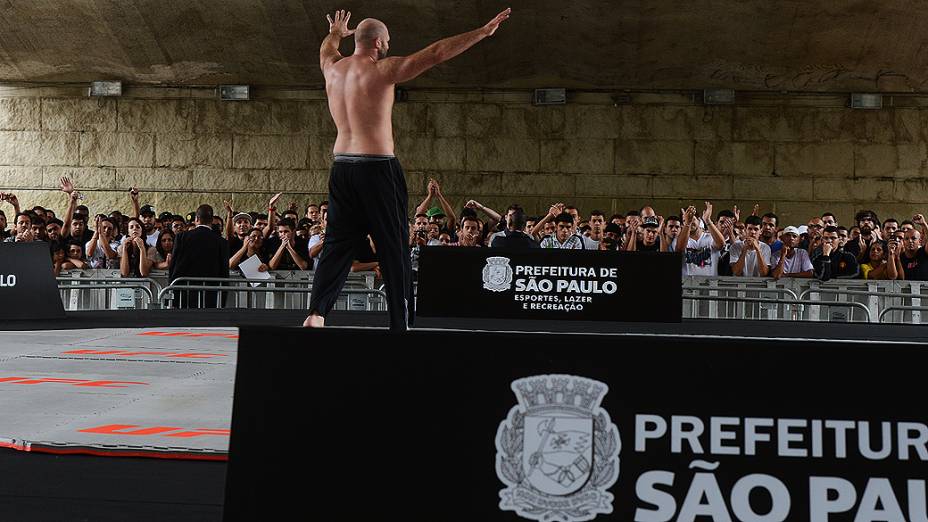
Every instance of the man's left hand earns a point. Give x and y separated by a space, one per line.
339 26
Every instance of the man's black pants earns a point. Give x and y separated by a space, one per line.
366 198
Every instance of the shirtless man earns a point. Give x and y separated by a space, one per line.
367 187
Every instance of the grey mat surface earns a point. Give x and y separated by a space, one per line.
151 392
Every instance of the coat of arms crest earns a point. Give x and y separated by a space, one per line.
558 451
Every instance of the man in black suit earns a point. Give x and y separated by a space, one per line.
200 252
514 237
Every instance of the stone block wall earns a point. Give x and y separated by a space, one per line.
182 147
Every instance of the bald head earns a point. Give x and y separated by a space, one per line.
368 31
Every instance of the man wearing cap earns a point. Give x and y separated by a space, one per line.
436 215
793 262
650 234
147 215
443 213
241 225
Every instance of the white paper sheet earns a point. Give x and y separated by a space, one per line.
250 266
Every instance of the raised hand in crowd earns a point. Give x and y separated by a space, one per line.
707 213
553 212
919 221
476 205
736 212
66 185
12 199
272 215
756 209
134 197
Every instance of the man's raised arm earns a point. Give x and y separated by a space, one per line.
405 68
338 29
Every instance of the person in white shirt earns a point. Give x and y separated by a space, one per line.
102 248
750 257
793 262
701 249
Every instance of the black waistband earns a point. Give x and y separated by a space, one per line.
362 158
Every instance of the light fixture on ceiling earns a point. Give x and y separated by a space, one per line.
105 88
234 92
861 100
549 97
718 96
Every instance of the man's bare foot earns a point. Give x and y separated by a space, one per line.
314 321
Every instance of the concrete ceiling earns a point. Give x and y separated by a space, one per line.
805 45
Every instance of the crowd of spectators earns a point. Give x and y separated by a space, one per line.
722 243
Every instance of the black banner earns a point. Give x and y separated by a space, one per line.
493 426
27 283
549 284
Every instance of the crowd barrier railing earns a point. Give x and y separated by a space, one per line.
842 300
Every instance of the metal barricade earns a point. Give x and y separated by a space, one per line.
744 288
761 300
704 297
97 291
202 290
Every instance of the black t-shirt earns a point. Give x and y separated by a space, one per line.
916 269
235 244
853 247
514 239
641 247
286 260
85 237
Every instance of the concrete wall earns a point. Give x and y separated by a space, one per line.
182 147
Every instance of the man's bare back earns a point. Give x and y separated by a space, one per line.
360 92
361 102
360 87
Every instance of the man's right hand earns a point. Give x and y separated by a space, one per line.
273 202
493 24
339 26
893 248
689 215
66 185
